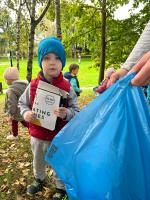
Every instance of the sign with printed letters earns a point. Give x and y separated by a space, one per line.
47 99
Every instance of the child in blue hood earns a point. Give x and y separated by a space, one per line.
73 79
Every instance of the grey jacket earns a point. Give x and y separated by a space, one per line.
142 46
13 94
25 103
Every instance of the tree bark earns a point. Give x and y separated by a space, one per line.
18 36
34 22
31 40
58 19
103 42
30 51
11 59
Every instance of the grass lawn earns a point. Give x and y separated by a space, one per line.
88 75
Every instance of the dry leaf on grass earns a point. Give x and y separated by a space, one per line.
1 173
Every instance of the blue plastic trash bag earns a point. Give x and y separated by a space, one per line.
103 153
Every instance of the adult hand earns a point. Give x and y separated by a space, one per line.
142 68
115 76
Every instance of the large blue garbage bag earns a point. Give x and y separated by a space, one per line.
103 153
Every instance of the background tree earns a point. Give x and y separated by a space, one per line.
81 26
18 23
24 37
103 42
17 6
8 34
34 21
58 19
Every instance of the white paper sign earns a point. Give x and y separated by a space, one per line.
47 99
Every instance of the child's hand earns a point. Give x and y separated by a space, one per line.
61 112
29 116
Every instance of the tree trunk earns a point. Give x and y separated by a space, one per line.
34 22
30 51
18 36
58 20
11 59
103 42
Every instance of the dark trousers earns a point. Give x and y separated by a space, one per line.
14 126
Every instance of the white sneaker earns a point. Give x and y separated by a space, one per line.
11 137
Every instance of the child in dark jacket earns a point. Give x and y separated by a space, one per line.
13 93
73 79
51 59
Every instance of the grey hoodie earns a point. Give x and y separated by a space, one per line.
142 46
13 94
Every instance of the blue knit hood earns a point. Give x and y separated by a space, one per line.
51 45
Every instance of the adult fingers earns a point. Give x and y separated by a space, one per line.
141 62
114 77
143 75
136 81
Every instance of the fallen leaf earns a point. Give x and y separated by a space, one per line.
1 173
20 165
25 155
2 151
6 160
18 197
25 172
27 164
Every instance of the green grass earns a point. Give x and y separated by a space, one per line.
88 75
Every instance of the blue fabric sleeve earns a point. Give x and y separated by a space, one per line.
148 93
73 83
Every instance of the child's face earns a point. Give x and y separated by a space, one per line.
9 81
75 71
51 65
